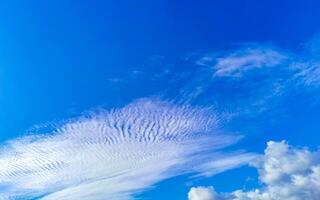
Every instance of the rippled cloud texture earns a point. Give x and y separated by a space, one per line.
110 155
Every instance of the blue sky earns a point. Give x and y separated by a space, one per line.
197 87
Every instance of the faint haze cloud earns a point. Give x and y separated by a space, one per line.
116 80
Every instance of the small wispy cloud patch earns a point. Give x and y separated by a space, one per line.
111 154
240 61
286 173
253 79
299 66
307 72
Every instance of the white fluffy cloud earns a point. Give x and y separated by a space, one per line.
110 155
286 172
202 193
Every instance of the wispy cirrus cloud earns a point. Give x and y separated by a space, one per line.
111 154
242 60
298 66
253 79
225 162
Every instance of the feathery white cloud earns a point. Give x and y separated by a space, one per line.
247 59
242 60
225 162
110 155
303 67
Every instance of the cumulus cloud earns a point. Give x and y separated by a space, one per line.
286 173
110 154
202 193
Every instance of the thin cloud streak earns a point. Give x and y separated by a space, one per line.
226 162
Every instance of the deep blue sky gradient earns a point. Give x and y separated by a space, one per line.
60 58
